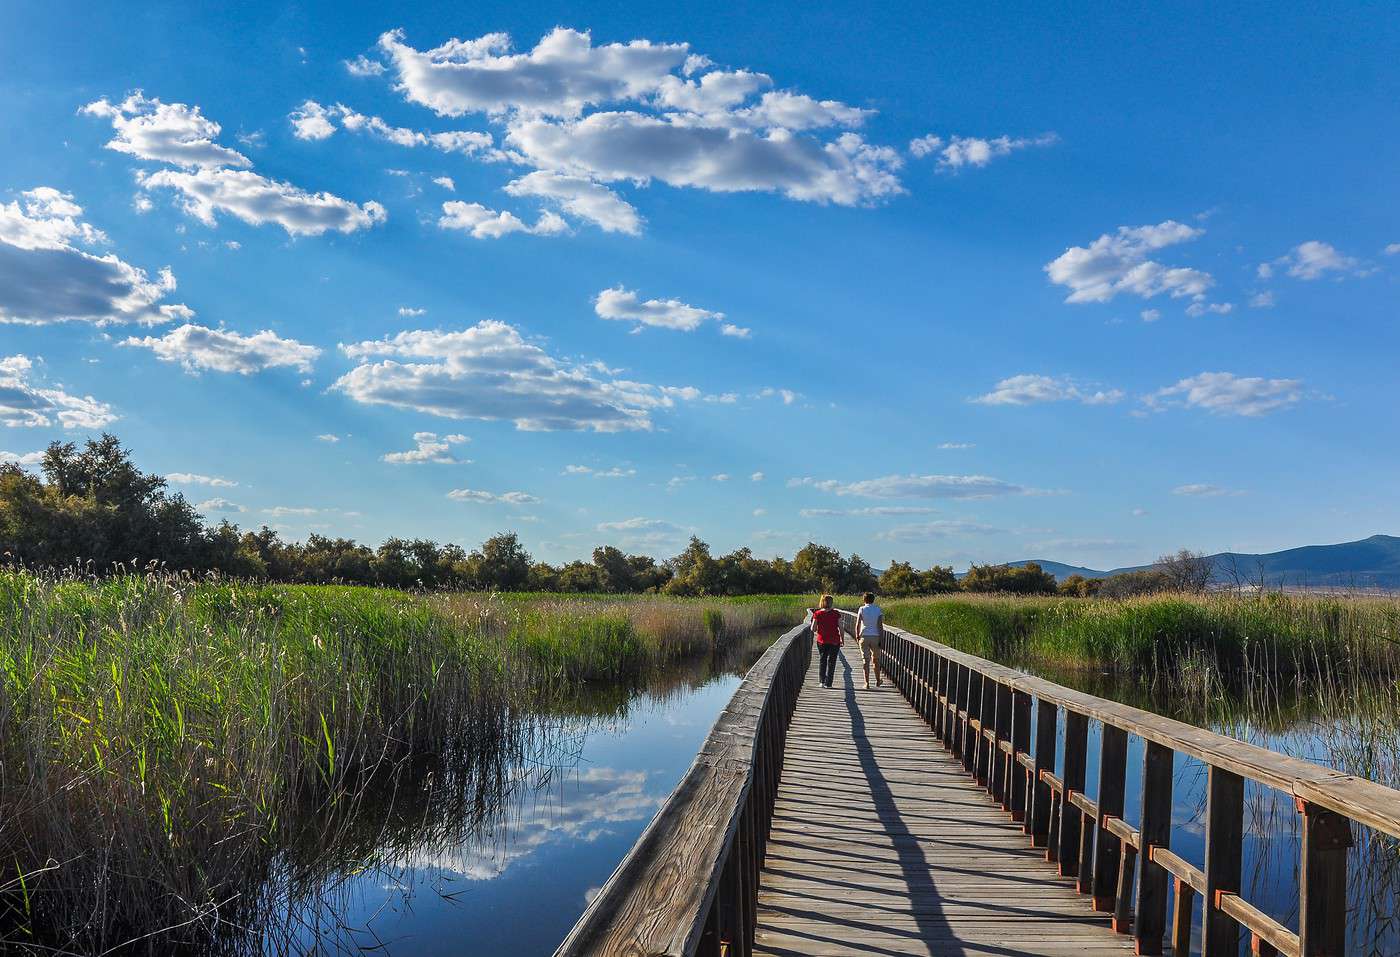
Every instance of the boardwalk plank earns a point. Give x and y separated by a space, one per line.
881 844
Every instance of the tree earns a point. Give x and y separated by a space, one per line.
502 563
1186 571
899 580
1078 586
1128 584
1028 579
819 567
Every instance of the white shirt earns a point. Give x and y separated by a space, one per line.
869 620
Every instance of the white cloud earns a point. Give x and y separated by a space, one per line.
1218 308
645 532
1204 490
446 183
490 372
1029 389
926 531
1314 260
199 348
491 498
720 477
1392 249
217 505
737 332
756 477
46 278
956 446
760 512
1151 315
581 197
1117 262
328 438
787 395
875 511
363 66
190 478
289 511
1224 393
625 305
1263 300
485 223
614 472
409 312
962 151
26 403
168 132
20 458
257 200
429 447
312 121
917 486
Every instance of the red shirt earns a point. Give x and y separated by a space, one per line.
827 622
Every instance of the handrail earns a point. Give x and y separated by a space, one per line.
690 883
982 711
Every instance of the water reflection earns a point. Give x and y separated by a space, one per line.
430 873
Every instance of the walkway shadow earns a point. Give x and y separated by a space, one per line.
914 866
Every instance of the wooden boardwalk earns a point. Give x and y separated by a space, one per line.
882 844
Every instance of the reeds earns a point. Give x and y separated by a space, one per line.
178 758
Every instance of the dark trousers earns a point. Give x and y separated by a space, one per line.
828 666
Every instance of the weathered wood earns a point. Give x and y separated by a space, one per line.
1020 744
1123 901
1181 918
882 844
1323 882
1113 769
1154 836
1220 936
1262 927
1046 722
1180 868
1071 820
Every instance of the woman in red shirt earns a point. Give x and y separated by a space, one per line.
826 622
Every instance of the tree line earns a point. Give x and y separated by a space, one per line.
91 506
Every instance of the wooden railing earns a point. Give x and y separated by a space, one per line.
690 883
1004 725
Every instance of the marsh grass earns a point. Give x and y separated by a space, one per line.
181 761
1163 633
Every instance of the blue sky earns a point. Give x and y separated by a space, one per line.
936 283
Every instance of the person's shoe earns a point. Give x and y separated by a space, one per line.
867 684
879 683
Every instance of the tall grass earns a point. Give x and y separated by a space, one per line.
175 755
1280 632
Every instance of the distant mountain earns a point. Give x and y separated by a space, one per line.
1370 563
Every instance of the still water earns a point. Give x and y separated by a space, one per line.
512 876
515 883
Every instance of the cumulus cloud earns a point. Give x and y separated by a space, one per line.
580 197
167 132
312 121
491 498
257 200
756 477
768 392
199 349
21 458
429 447
1030 389
446 183
45 277
483 223
409 312
1314 260
1203 308
701 128
625 305
916 486
363 66
24 402
215 179
490 372
960 151
1223 393
191 478
1117 263
220 505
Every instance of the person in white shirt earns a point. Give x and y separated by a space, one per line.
870 629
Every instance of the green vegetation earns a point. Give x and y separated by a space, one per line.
1164 632
164 744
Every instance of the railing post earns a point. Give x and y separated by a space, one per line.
1181 918
1156 830
1224 861
1046 718
940 691
974 710
1001 732
1322 904
1071 818
1113 771
1020 744
988 713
